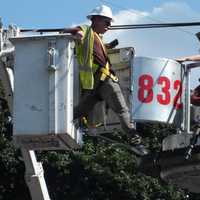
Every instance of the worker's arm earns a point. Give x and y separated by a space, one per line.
189 58
77 32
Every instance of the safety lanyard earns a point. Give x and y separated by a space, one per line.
87 46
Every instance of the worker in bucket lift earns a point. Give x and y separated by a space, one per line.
194 58
98 81
195 95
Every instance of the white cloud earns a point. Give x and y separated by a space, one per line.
165 42
175 11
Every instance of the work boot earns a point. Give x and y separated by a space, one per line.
136 143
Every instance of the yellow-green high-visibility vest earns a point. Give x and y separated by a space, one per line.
84 51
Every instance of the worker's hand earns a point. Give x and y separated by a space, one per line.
182 59
79 35
112 44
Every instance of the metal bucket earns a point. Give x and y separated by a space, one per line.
43 99
157 90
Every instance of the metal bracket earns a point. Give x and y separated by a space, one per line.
52 54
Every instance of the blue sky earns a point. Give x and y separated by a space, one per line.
59 13
168 42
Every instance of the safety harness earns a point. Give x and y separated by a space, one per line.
106 72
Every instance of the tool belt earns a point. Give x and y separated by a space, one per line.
106 73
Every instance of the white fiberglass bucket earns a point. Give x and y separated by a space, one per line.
157 90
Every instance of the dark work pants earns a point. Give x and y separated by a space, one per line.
111 93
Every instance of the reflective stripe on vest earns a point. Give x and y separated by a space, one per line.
85 58
88 69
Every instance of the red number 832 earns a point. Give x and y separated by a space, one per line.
146 94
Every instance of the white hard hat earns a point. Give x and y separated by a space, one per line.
102 10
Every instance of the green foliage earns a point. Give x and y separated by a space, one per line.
5 118
102 171
12 184
97 172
